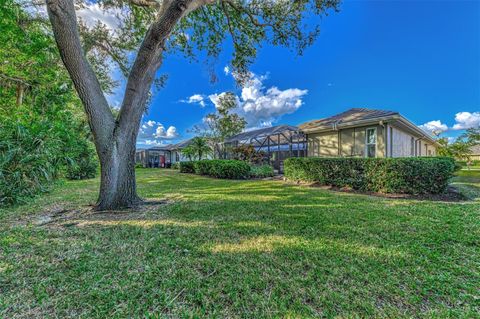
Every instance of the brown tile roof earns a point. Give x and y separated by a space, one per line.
351 115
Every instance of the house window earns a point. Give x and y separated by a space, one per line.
371 142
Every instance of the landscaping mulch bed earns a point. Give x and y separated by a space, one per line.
451 195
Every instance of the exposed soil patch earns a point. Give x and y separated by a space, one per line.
59 216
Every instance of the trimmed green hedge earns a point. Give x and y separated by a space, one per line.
414 175
187 167
228 169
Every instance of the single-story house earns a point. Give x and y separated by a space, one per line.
357 132
163 156
362 132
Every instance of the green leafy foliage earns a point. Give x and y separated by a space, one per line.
187 167
189 152
226 169
222 124
200 147
459 149
429 175
262 171
43 131
84 164
29 160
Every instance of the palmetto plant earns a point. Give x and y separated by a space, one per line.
200 147
29 161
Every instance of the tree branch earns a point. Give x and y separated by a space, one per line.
148 61
250 15
64 24
146 3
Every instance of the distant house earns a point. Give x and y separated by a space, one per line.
163 156
475 155
361 132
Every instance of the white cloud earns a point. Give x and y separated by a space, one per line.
195 99
152 123
466 120
93 13
434 127
153 143
226 70
262 107
153 133
170 133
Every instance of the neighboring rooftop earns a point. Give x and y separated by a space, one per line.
351 115
262 133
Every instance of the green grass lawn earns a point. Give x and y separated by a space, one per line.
250 249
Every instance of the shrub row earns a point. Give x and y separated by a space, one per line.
228 169
187 167
428 175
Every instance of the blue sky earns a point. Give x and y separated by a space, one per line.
421 58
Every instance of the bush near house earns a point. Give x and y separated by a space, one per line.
187 167
388 175
261 171
227 169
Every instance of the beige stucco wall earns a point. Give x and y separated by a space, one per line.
346 143
428 149
323 144
402 144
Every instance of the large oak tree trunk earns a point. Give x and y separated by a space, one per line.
118 185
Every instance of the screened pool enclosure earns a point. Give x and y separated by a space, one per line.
277 142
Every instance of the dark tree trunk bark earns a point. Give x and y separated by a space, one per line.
118 184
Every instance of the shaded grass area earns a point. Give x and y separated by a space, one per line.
468 182
249 249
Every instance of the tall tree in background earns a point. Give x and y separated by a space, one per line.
224 123
473 136
165 26
459 149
